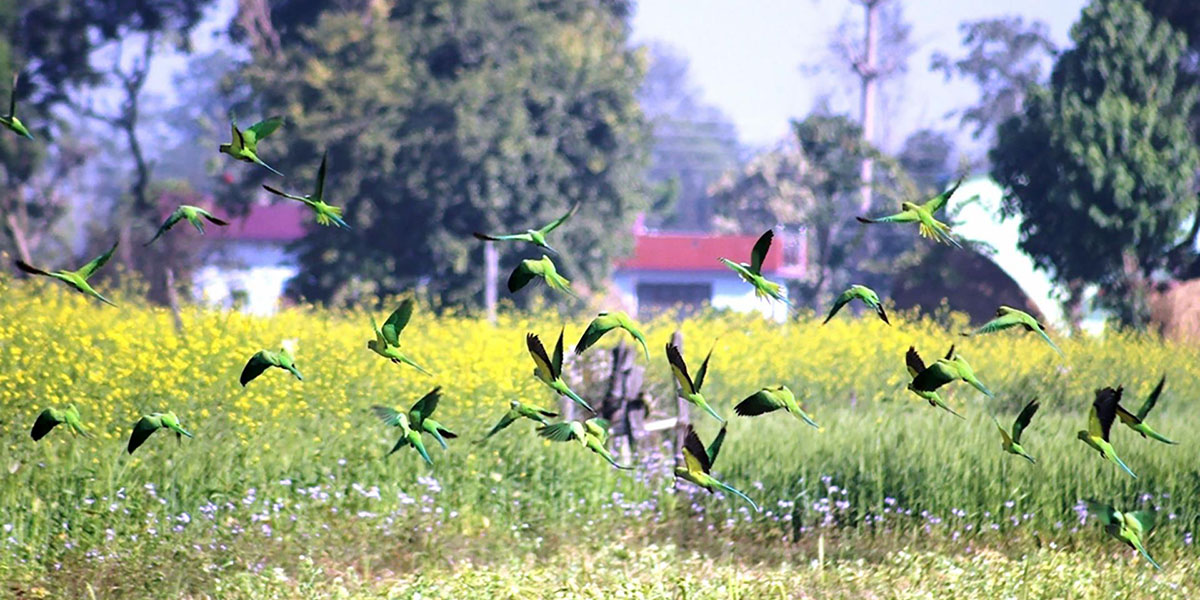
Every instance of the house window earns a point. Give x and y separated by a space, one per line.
654 298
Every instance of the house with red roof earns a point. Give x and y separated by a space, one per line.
249 265
675 270
248 261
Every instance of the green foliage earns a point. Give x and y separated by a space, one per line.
442 118
1101 163
812 183
51 43
282 469
1004 58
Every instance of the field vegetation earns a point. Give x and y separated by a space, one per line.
286 492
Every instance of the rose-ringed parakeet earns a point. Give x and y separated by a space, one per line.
549 370
193 214
698 462
770 399
859 292
689 388
408 435
606 322
1100 420
244 144
264 359
516 410
419 417
76 279
148 424
952 368
543 267
387 338
916 366
1137 422
51 417
929 226
537 237
591 434
10 121
752 272
1007 317
323 213
1012 442
1132 528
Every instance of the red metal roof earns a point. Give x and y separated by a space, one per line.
693 252
280 222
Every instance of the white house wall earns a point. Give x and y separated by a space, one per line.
261 269
728 290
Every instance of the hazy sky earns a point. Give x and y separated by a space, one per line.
746 56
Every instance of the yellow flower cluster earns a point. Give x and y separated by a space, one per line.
116 363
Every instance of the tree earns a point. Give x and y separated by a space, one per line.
884 33
1101 163
925 157
51 43
1005 56
693 143
442 118
813 183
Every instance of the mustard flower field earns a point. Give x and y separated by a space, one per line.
286 490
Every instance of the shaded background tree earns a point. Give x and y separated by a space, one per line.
441 118
1005 56
1104 157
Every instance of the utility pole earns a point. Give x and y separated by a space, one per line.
867 68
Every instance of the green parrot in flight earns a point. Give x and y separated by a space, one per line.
1136 421
244 145
263 359
543 267
420 413
387 338
1012 443
698 462
606 322
76 279
945 370
591 434
1129 527
860 292
1100 420
193 215
549 370
148 424
51 417
752 273
689 389
324 214
770 399
10 120
1007 317
923 213
537 237
516 411
916 366
408 435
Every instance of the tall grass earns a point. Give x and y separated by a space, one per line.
288 468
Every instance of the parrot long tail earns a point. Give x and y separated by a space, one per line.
737 492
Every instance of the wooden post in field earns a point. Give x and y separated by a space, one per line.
491 271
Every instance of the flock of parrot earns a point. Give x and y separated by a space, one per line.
592 434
